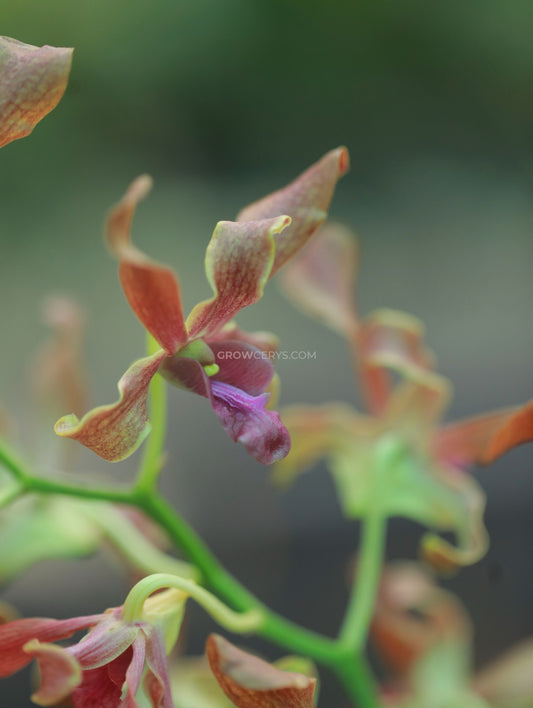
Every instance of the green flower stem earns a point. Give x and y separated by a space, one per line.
152 460
358 615
241 622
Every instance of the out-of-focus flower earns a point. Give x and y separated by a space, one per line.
207 354
32 82
398 459
250 681
109 665
424 635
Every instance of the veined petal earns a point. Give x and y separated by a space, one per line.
134 672
486 437
306 201
265 341
321 279
115 431
32 82
250 681
387 340
243 366
246 420
156 680
238 262
151 289
60 672
14 635
104 643
102 688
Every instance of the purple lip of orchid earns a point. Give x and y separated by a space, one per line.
245 418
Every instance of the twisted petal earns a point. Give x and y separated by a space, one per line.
32 82
151 289
306 201
115 431
321 279
486 437
14 635
387 340
250 681
238 263
60 672
244 416
157 681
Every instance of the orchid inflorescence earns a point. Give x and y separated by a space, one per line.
395 459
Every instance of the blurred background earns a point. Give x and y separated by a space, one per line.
223 101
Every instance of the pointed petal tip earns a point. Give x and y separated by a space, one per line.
344 159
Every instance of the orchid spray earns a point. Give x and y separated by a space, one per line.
395 459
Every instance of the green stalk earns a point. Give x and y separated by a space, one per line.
361 604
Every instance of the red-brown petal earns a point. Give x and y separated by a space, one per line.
238 262
14 635
32 82
151 289
60 672
251 682
115 431
306 201
486 437
321 279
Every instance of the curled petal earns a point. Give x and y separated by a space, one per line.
306 201
251 682
238 263
102 687
387 340
32 82
60 672
104 643
14 635
244 417
157 680
321 279
115 431
246 420
134 672
508 681
243 366
151 289
486 437
412 615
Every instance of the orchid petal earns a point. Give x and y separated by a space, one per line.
157 681
321 279
32 82
151 289
134 672
250 682
115 431
486 437
104 643
244 417
386 340
306 201
102 687
238 263
194 686
14 635
60 672
242 365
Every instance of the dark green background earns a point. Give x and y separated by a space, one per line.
223 101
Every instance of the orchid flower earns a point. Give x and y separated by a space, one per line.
397 458
32 82
207 353
424 635
109 665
